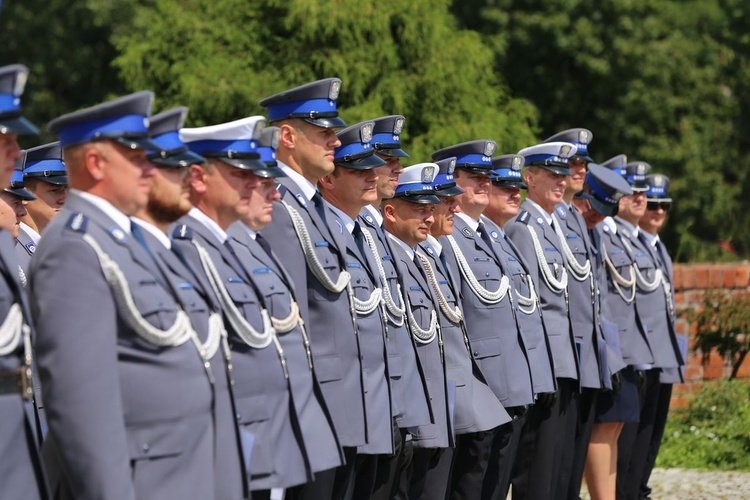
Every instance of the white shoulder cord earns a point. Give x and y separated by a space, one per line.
22 276
549 277
453 315
668 294
641 282
578 271
179 333
482 293
311 258
244 329
365 307
395 312
11 330
420 335
527 305
617 279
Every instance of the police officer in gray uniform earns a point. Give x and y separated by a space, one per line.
21 471
408 217
476 409
261 342
532 232
45 177
305 243
167 201
487 300
15 198
657 206
128 394
409 396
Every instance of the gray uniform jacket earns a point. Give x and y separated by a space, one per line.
127 419
25 248
335 347
371 334
476 409
316 425
634 344
438 434
198 299
408 388
554 306
583 297
21 473
530 322
493 332
653 308
265 408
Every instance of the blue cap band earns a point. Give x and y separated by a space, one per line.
356 148
9 102
267 154
169 141
85 131
508 173
279 111
633 178
386 138
17 177
599 191
656 191
542 159
442 179
581 148
44 166
474 159
209 146
413 186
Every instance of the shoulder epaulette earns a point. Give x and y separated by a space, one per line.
523 216
182 232
77 222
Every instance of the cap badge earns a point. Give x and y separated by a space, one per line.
365 132
452 166
333 92
583 136
658 181
398 126
428 174
20 84
564 151
640 169
489 148
517 162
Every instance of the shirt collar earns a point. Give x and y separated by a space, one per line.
409 251
247 229
473 223
155 231
348 221
632 229
375 214
307 187
210 224
30 232
105 206
490 223
547 216
652 239
610 223
434 244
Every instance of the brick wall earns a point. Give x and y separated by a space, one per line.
690 282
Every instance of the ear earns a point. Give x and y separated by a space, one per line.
527 175
287 136
327 182
198 176
389 212
95 161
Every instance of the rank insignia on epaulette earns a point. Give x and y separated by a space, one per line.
301 199
540 221
341 227
467 232
369 218
523 217
182 232
561 212
117 233
31 247
77 222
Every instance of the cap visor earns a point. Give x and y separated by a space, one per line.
473 167
601 207
177 160
660 200
59 180
557 169
400 153
244 163
269 172
449 191
511 184
639 188
587 159
365 163
18 125
329 122
21 193
421 198
136 143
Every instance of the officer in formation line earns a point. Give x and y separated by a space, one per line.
288 310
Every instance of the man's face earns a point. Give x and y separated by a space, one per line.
654 217
50 199
350 189
168 199
229 190
444 213
125 176
590 216
633 207
504 203
476 186
261 204
314 148
9 153
411 222
576 180
546 187
388 176
12 208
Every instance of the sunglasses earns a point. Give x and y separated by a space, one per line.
656 205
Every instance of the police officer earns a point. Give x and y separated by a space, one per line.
408 388
487 303
128 395
265 359
13 202
302 237
408 218
21 471
476 410
533 233
45 177
653 301
658 204
167 201
349 188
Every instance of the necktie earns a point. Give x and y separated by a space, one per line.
319 206
138 236
482 230
263 244
359 238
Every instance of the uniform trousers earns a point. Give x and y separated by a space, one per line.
546 442
503 455
430 473
390 468
334 483
470 463
635 440
660 422
574 469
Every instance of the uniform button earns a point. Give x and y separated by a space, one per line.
421 301
239 416
476 353
146 447
326 260
487 274
359 280
272 287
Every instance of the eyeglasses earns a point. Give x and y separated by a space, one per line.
656 205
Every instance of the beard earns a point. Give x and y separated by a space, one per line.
166 212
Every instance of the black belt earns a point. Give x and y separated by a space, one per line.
17 382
